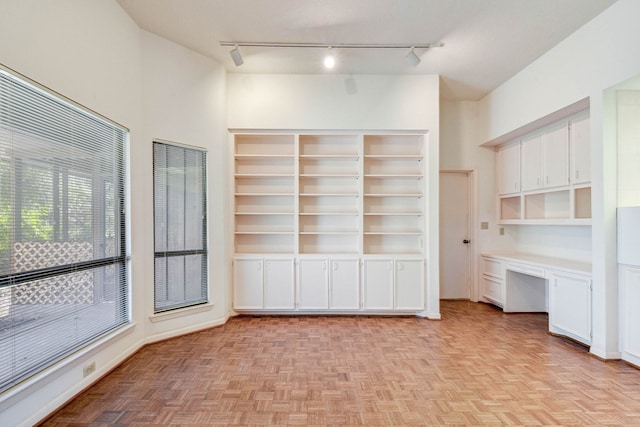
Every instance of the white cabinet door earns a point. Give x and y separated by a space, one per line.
570 306
247 284
378 284
508 168
555 156
279 284
409 284
630 305
532 163
344 284
492 290
580 151
313 284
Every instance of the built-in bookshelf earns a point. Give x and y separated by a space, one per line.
393 194
329 193
264 192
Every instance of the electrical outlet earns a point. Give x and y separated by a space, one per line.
88 369
502 231
484 225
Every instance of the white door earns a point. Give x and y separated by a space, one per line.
455 275
313 281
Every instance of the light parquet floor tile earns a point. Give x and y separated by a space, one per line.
478 366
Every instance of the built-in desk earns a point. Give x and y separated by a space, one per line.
519 282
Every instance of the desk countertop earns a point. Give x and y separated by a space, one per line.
544 261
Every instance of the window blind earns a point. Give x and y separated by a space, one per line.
180 226
63 278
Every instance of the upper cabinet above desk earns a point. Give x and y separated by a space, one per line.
544 177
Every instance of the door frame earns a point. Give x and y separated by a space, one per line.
472 179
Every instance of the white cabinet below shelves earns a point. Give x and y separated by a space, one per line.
313 284
263 284
328 284
393 284
570 306
378 284
409 285
344 284
248 284
278 284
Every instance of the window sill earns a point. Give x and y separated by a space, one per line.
181 312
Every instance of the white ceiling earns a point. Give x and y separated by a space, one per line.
485 41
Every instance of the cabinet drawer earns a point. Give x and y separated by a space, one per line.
491 267
526 269
492 289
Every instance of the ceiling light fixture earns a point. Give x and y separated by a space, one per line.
235 55
412 58
329 60
335 45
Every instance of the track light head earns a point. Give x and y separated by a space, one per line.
412 58
235 55
350 86
329 60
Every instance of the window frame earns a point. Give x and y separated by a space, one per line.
168 254
119 260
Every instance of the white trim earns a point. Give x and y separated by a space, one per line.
179 144
180 312
61 98
174 333
241 131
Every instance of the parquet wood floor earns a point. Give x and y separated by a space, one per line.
477 366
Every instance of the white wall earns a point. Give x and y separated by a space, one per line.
88 52
289 101
183 101
321 102
628 130
459 150
602 53
94 54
